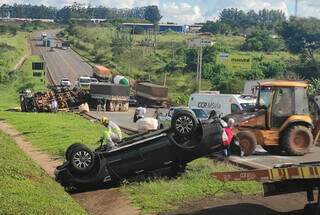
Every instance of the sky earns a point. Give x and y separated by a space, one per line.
191 11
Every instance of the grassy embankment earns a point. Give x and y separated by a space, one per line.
13 48
25 188
54 132
163 195
143 62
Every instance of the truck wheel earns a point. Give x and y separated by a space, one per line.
297 140
81 159
247 142
273 150
184 123
71 148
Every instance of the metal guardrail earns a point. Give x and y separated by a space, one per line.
126 130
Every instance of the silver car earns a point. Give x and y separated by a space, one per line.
165 119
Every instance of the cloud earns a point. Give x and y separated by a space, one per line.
309 8
182 13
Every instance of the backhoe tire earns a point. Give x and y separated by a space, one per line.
273 150
247 142
297 140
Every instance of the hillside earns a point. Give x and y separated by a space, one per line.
136 57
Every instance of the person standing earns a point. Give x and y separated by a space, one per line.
54 105
140 111
112 134
228 137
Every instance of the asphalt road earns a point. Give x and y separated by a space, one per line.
61 63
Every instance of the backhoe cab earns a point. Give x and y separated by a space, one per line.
280 120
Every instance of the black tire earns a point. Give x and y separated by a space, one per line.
247 142
297 140
71 148
183 123
81 159
273 150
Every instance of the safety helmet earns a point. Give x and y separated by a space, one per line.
105 120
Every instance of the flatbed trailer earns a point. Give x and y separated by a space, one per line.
283 179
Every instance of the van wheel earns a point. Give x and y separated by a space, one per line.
297 140
247 142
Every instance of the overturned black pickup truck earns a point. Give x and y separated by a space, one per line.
142 154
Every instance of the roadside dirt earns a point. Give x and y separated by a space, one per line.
106 202
292 204
45 161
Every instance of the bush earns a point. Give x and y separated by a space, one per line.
260 40
273 69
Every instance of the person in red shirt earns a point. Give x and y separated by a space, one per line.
228 137
231 141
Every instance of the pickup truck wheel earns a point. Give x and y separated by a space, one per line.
184 123
247 142
71 148
297 140
81 159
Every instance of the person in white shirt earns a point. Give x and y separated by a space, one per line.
140 112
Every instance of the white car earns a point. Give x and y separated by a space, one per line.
165 119
65 82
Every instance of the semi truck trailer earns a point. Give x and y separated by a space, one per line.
114 96
152 95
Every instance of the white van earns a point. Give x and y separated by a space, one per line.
223 104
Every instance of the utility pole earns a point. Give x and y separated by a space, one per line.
199 43
296 9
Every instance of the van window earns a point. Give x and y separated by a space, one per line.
235 108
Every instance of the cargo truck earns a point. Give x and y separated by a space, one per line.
153 95
114 96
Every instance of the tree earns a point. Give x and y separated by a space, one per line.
63 15
302 36
260 40
152 14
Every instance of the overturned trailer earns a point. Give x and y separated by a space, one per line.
42 101
114 96
152 95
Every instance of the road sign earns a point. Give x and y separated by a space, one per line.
235 61
200 42
37 74
37 65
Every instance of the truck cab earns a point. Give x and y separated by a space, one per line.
84 83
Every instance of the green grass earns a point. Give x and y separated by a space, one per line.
53 133
18 47
9 92
164 195
26 189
